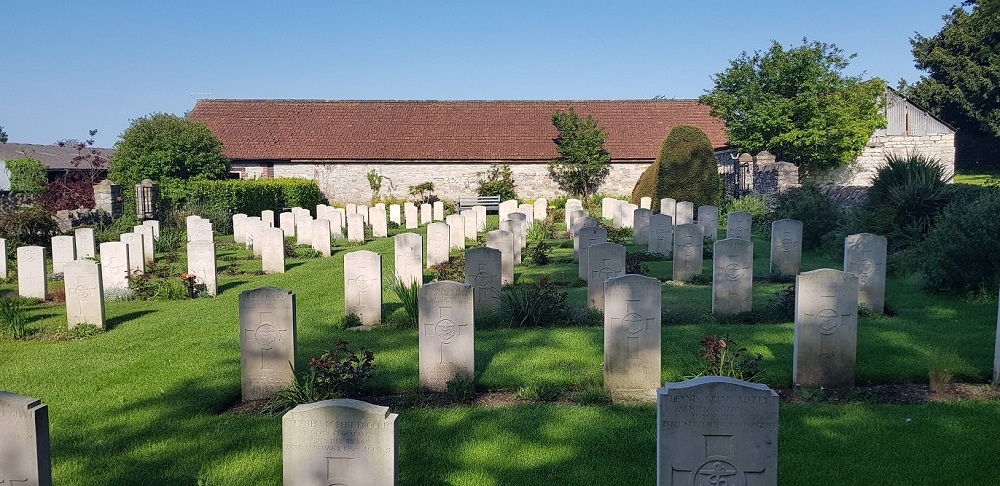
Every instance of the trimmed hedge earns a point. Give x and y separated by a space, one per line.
685 170
251 196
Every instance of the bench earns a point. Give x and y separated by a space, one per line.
492 203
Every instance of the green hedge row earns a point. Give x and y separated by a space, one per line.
251 196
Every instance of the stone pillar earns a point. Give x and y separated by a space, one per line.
108 198
147 193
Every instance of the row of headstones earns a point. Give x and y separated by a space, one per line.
621 213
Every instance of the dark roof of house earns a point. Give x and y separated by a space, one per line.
438 130
52 156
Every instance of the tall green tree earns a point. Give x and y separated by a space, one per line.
583 164
169 150
3 135
798 104
962 61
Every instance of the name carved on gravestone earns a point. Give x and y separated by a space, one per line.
632 306
446 333
25 456
826 329
267 341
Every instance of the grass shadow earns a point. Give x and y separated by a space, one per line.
110 324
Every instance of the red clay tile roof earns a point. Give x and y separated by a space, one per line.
438 130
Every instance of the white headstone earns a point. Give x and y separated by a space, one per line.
25 455
541 209
339 442
645 202
661 234
738 225
456 230
507 207
286 221
471 226
201 229
148 243
480 218
582 242
31 278
114 266
438 243
446 333
303 230
708 219
668 206
503 241
272 250
201 262
355 227
684 213
527 210
426 213
251 224
571 218
267 341
513 227
258 240
267 216
363 211
363 286
688 250
640 226
864 256
3 258
135 260
63 252
84 295
732 277
786 246
239 227
409 258
716 430
321 236
578 225
826 329
152 223
484 272
605 261
394 214
380 226
632 337
438 208
86 246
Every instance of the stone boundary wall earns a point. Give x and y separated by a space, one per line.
863 168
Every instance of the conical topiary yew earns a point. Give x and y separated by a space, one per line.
685 170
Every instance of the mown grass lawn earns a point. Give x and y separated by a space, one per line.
146 402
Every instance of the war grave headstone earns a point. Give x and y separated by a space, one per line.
511 226
336 219
738 225
608 206
364 211
661 234
3 258
426 214
326 212
668 206
409 258
618 219
267 216
483 271
574 202
732 276
149 242
380 205
522 228
394 214
267 341
506 207
471 225
152 223
864 256
84 295
31 278
201 229
503 241
708 219
688 249
272 251
321 236
826 329
541 209
786 246
716 430
438 243
25 454
628 215
380 226
258 242
240 230
250 225
572 217
410 216
684 213
456 230
645 202
135 260
339 442
438 209
355 227
582 242
299 212
446 343
604 261
527 210
632 337
480 218
86 246
580 223
303 230
63 251
189 224
363 286
201 262
640 226
114 266
351 208
996 351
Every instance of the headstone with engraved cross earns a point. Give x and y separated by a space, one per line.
786 246
355 227
25 456
732 276
267 341
148 242
114 266
585 238
632 337
864 256
661 234
240 227
134 243
446 342
86 246
201 263
578 225
31 278
380 226
84 295
684 212
363 286
503 241
456 230
438 243
339 442
321 234
640 226
409 258
708 219
604 261
471 226
272 250
63 251
688 249
513 227
716 431
668 206
826 329
483 271
303 230
738 225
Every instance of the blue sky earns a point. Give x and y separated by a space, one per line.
70 66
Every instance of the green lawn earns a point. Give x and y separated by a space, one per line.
144 402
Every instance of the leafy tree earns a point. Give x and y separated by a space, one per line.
583 163
685 169
497 181
962 85
3 135
798 104
169 150
27 175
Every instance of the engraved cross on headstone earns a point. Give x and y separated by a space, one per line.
447 330
485 281
788 241
82 292
362 283
718 468
733 272
827 321
633 324
265 335
605 272
865 267
201 266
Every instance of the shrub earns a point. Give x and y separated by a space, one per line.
28 225
906 196
759 212
497 181
541 230
220 200
453 269
953 253
13 318
407 295
334 374
634 265
817 212
685 169
170 240
351 320
533 305
539 253
721 357
27 175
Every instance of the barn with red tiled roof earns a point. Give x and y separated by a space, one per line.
444 142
